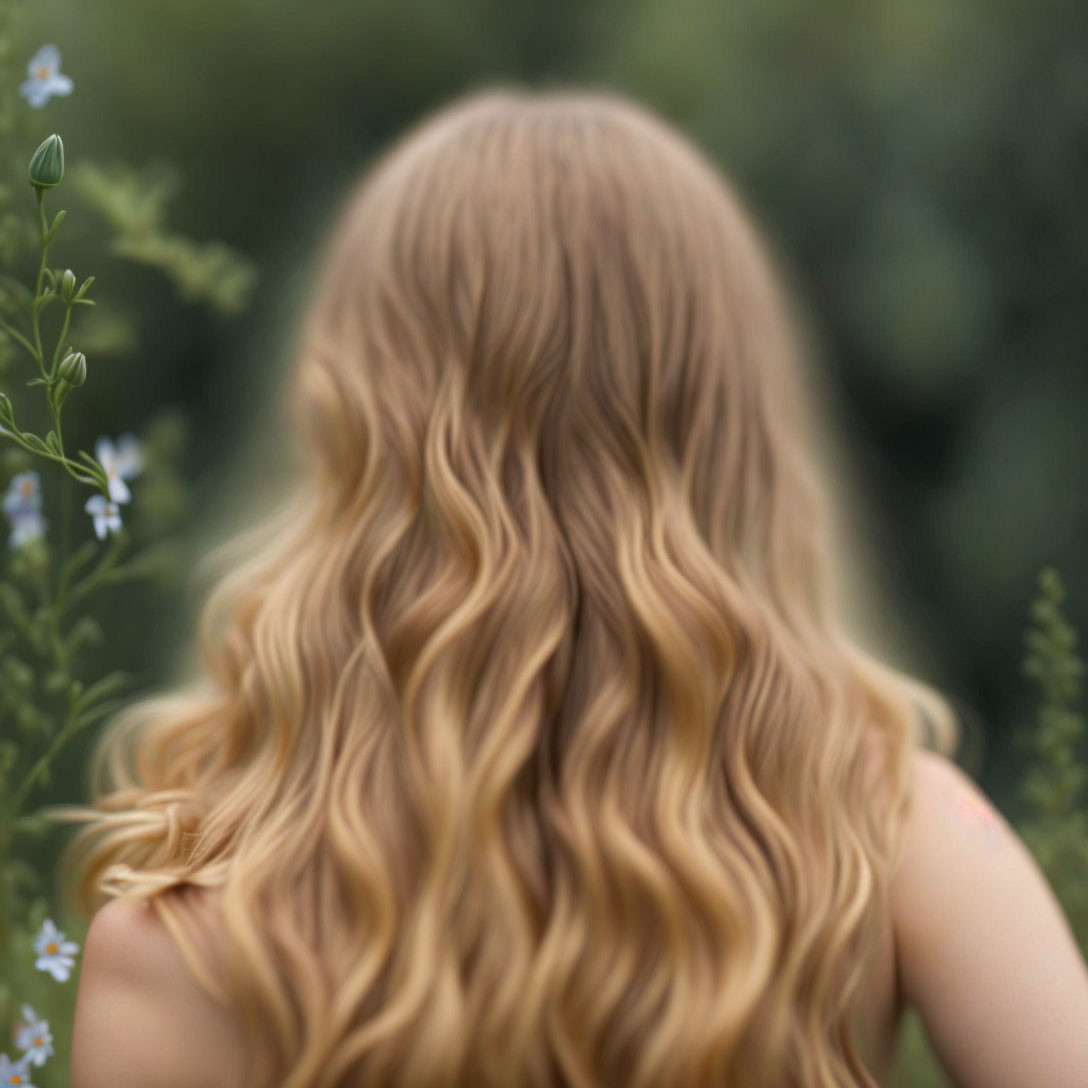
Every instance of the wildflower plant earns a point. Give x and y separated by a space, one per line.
1056 827
53 343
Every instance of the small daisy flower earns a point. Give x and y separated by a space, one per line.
34 1038
28 526
121 462
24 495
54 952
45 79
14 1073
106 514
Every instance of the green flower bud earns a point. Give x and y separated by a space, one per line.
67 285
73 368
47 165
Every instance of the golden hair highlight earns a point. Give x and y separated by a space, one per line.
530 748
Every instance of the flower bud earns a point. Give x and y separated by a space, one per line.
67 285
47 165
73 368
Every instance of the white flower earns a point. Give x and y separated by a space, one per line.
45 79
22 504
29 525
14 1073
106 514
24 495
34 1038
54 952
121 462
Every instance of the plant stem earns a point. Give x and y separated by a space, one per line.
40 194
87 583
19 338
60 341
31 778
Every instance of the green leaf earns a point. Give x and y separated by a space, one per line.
57 220
96 712
35 442
55 681
109 684
85 631
11 601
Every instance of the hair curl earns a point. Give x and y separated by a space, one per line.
531 749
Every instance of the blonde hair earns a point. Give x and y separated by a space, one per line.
532 749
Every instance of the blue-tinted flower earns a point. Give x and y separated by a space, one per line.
54 952
45 79
22 504
34 1038
24 494
106 514
27 527
14 1073
121 462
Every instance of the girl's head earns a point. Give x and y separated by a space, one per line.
531 749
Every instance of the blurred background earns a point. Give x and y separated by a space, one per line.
919 167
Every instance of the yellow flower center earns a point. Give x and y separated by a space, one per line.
15 1079
38 1041
26 487
111 472
42 72
51 948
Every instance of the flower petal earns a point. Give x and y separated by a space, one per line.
130 458
119 491
32 90
104 451
46 57
59 84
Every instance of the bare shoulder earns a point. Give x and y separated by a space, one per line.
984 950
141 1019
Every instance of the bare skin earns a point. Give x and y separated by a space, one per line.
1002 1009
983 949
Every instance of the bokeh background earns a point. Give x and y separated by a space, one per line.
920 168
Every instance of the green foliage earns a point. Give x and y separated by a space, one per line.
132 203
1056 831
52 684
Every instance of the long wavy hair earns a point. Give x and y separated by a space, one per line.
529 747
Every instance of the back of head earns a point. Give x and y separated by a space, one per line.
531 751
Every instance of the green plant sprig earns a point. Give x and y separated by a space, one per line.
63 373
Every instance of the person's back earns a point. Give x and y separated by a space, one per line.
535 752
